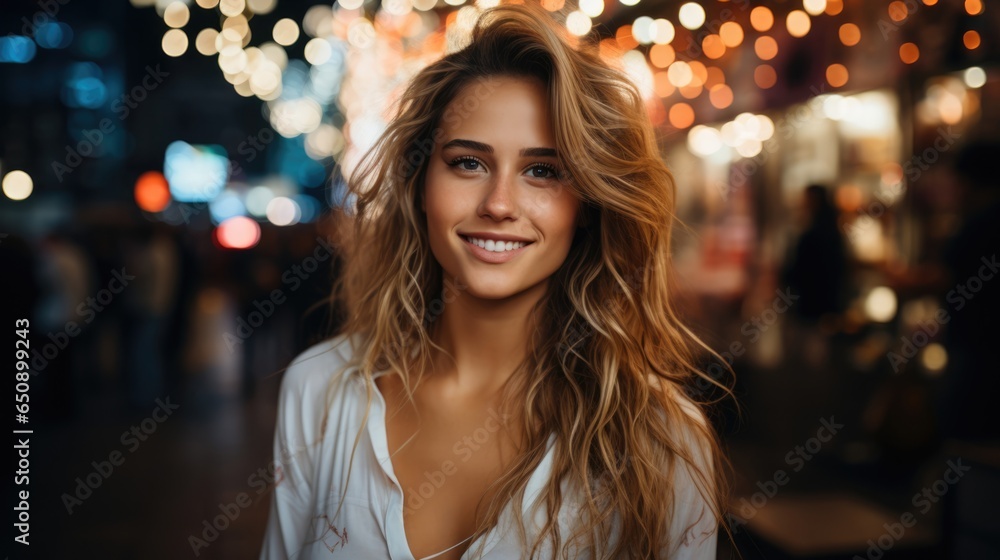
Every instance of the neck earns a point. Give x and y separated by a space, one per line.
486 341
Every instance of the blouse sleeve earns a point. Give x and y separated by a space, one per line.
291 503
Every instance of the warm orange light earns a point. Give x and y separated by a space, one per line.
834 7
836 75
798 23
930 2
974 7
698 73
662 85
681 115
850 34
721 96
764 76
898 11
761 18
625 39
553 5
690 91
765 47
731 33
661 55
714 76
713 47
152 193
609 50
971 40
656 113
909 53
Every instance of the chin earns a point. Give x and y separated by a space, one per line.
490 289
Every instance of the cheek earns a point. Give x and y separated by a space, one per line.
556 209
438 204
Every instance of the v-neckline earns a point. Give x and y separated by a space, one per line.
379 435
379 432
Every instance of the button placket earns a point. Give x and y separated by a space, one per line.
398 547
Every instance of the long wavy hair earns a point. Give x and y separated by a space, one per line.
609 362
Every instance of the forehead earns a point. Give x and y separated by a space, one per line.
500 108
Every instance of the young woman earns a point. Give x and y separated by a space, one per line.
510 380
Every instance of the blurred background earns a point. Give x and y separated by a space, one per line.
168 166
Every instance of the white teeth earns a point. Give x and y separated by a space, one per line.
496 246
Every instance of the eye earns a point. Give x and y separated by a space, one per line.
462 161
545 167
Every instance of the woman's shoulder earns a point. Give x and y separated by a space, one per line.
316 365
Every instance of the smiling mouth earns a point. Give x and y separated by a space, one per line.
496 246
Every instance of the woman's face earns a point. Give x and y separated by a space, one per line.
494 176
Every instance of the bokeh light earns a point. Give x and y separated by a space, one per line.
765 76
974 77
285 32
731 33
850 34
691 15
765 47
909 53
152 193
174 43
798 23
238 232
836 75
17 185
971 40
721 96
681 115
761 18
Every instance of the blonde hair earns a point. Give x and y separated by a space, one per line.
608 358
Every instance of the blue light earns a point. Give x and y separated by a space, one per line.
84 86
226 205
310 173
53 35
17 49
195 173
90 92
309 207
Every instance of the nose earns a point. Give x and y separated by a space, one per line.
500 199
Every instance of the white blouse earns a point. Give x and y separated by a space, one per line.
311 469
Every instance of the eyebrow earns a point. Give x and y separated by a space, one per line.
481 147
